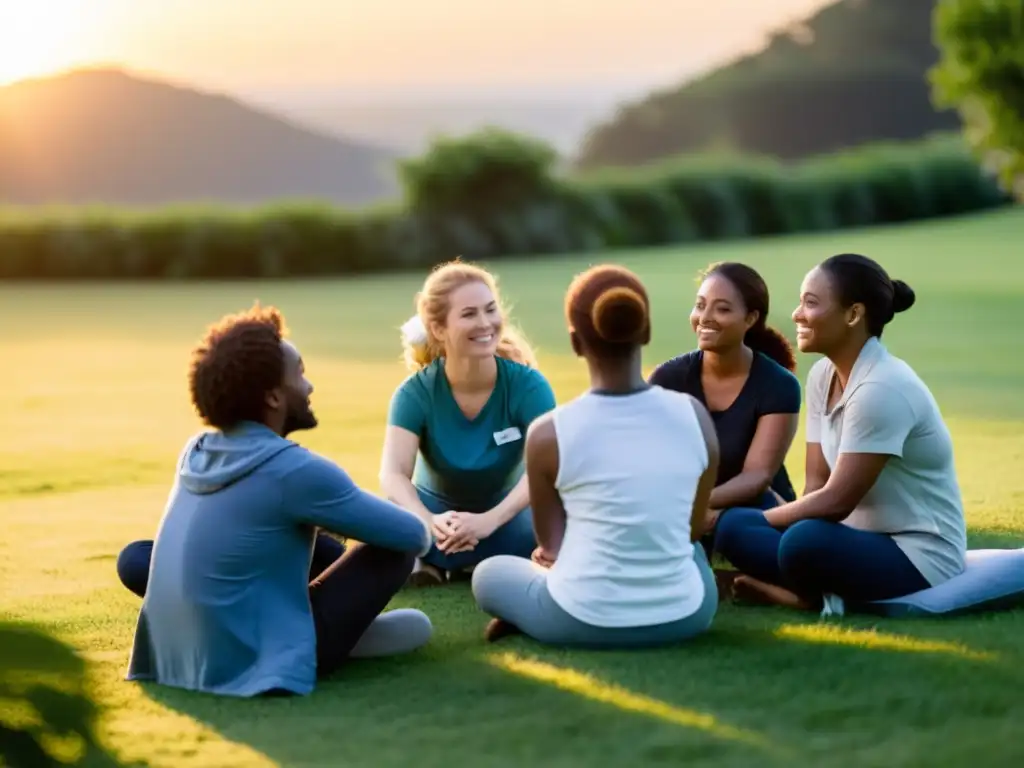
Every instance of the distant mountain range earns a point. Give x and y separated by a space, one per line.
108 136
852 73
105 136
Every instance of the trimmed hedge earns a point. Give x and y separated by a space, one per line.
681 201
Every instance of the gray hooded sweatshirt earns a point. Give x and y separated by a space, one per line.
227 606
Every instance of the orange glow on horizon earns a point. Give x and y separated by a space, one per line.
296 43
38 38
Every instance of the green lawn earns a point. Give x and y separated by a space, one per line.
94 411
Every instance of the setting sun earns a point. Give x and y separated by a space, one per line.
37 39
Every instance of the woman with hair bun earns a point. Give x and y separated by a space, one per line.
619 481
742 371
453 448
881 515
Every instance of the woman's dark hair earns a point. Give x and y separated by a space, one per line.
608 309
857 279
752 288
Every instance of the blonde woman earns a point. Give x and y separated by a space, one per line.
453 449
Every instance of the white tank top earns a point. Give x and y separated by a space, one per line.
628 471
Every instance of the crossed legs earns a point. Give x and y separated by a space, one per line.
347 605
813 558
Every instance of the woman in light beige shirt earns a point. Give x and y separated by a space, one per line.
881 515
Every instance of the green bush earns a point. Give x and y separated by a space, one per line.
494 195
485 171
636 209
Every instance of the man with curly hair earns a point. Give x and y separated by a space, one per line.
242 595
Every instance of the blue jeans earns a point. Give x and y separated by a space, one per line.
817 557
516 537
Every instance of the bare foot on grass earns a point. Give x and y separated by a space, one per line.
724 579
747 589
498 628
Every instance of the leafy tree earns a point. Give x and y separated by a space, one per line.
981 73
482 171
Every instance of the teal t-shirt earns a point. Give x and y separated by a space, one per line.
470 464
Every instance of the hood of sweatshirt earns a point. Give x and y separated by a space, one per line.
214 460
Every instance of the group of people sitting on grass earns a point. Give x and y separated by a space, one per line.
589 523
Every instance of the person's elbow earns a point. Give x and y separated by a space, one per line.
418 540
838 503
404 531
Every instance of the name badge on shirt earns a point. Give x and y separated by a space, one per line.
509 435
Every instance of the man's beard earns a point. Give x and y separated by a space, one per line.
300 416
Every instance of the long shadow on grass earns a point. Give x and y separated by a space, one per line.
48 718
764 687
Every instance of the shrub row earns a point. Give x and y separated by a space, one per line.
499 208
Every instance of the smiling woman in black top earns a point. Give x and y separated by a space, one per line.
742 371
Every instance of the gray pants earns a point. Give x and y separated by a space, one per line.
515 589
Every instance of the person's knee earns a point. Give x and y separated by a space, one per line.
732 524
419 627
393 566
485 581
498 580
803 545
395 632
416 630
133 566
513 589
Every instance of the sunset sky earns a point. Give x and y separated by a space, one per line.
260 44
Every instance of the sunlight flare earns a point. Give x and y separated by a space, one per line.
591 688
873 640
35 38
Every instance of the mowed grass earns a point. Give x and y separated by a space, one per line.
94 412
